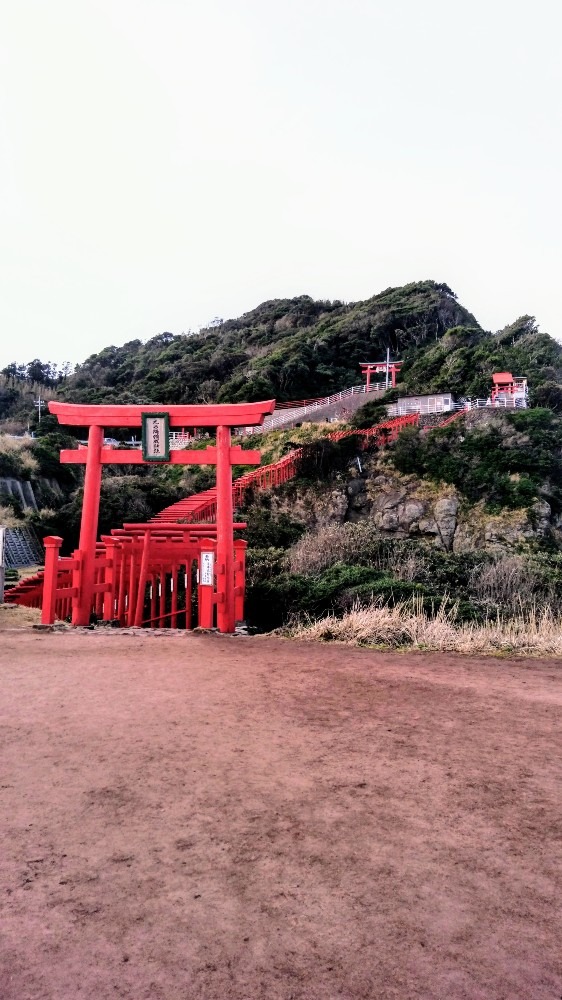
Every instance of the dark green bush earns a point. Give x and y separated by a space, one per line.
266 530
11 467
505 463
274 594
323 459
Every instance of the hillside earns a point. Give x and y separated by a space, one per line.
470 513
286 348
299 348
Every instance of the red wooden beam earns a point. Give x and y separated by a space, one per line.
133 456
163 526
130 415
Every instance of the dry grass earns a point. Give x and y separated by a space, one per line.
531 633
17 616
333 543
21 451
352 543
275 444
8 519
512 581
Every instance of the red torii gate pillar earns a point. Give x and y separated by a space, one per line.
89 525
225 539
223 416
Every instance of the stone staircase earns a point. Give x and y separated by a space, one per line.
22 548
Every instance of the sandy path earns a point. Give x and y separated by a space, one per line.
201 817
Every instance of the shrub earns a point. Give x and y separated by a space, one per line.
322 459
266 530
275 595
375 410
504 463
8 516
17 458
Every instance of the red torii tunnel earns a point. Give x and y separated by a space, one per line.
145 544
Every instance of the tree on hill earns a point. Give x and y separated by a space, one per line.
299 348
286 348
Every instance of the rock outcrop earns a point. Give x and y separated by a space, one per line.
405 507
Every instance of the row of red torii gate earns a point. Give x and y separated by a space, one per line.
145 574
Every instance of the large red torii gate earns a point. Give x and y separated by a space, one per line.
222 416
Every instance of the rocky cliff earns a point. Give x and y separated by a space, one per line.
407 507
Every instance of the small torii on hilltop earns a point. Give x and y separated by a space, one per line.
389 368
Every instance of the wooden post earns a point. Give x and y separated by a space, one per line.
125 548
239 578
225 539
52 548
142 580
132 588
174 600
152 600
162 601
188 590
89 527
206 588
2 562
110 579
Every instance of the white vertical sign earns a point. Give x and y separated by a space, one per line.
207 574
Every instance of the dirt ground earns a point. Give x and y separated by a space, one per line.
203 817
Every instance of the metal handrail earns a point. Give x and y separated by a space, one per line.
300 408
325 400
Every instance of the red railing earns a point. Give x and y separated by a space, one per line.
384 433
201 507
143 576
28 592
449 420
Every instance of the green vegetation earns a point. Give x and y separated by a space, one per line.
17 459
21 386
275 599
374 412
464 360
298 348
286 348
507 461
358 566
265 531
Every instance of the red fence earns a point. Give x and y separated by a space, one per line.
449 420
384 433
144 575
28 592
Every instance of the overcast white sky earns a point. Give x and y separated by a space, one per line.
163 162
